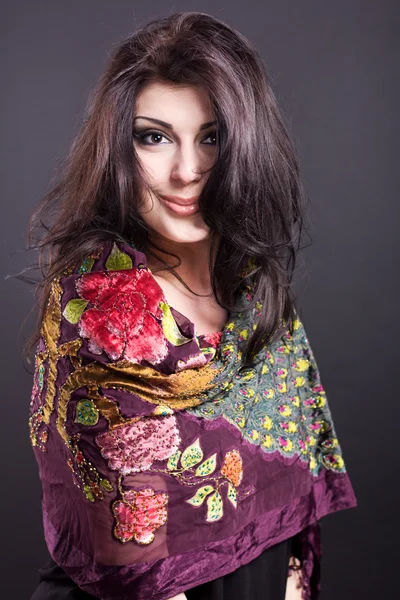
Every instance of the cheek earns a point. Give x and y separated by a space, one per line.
155 166
148 206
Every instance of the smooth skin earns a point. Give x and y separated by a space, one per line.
173 160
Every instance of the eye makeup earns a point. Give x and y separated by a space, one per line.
141 135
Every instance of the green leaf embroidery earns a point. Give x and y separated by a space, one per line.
215 508
207 467
117 260
192 455
88 492
232 495
172 463
199 496
73 310
107 485
170 328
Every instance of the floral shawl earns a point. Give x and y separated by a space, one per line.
164 464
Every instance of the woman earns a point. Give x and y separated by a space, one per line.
184 440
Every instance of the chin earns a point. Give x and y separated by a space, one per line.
190 235
182 233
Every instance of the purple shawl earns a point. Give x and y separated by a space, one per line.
165 464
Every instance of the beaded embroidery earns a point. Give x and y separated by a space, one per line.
278 405
139 514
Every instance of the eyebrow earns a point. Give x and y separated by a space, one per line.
169 126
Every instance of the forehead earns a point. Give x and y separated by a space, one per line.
159 99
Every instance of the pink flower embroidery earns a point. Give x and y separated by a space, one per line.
134 447
213 338
139 515
123 320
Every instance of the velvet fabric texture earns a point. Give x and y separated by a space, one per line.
165 464
264 578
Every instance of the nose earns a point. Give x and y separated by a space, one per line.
186 165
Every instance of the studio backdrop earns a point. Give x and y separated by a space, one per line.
334 69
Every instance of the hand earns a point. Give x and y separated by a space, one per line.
179 597
293 585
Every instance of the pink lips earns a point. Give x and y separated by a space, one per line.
181 201
181 206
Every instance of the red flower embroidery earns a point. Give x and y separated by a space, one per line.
123 320
134 447
139 515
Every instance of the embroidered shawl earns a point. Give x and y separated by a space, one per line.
163 463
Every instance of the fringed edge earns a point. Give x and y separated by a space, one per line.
307 550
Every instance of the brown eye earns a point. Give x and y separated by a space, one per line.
155 136
211 135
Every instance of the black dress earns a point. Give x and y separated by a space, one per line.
264 578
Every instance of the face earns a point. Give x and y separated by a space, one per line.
175 141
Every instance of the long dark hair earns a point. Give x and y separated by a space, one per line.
253 198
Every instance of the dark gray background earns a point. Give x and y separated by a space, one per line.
335 69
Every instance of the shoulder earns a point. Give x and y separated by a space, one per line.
112 265
109 302
111 255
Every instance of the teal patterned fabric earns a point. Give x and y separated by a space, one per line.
279 403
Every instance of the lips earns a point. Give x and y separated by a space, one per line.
181 201
183 207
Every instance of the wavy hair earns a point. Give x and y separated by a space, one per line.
253 198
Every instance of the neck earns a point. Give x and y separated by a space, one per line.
194 257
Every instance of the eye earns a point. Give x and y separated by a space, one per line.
155 137
213 134
142 136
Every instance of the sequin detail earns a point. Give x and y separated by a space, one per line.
134 447
86 413
123 320
85 476
120 315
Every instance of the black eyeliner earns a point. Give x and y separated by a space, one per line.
143 133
